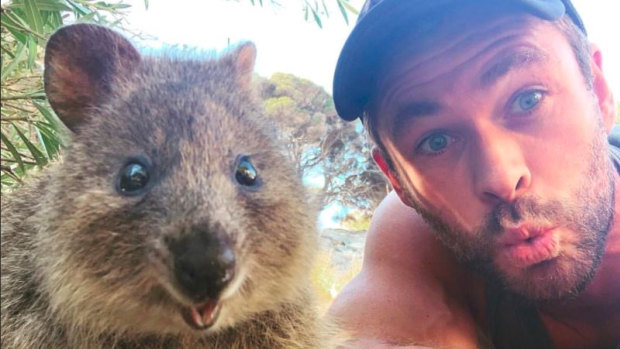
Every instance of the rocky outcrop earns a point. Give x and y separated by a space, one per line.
344 247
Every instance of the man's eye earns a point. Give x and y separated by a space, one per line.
435 144
526 102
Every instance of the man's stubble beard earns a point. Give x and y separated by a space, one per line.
589 215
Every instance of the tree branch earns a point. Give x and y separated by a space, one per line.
13 98
10 172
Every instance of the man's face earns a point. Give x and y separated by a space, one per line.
499 144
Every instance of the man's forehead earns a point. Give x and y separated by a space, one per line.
447 49
513 60
455 27
409 92
509 62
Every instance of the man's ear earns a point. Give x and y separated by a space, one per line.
601 88
393 178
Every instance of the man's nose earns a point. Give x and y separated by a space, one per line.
501 173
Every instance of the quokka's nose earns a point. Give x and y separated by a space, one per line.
203 265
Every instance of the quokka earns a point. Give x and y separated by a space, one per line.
174 219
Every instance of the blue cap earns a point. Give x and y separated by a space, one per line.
377 23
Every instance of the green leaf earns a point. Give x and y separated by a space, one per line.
33 16
119 6
103 4
49 138
53 6
38 94
50 116
146 4
7 180
343 11
43 141
317 19
49 131
13 24
45 5
88 17
349 7
13 150
45 15
32 52
10 179
7 51
17 16
19 36
55 20
36 153
21 50
78 8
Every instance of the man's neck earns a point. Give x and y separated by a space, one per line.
594 315
604 290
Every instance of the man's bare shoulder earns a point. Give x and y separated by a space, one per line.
399 237
405 293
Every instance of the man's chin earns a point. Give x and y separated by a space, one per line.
551 280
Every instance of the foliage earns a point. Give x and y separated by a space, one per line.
322 144
300 109
31 132
328 280
318 9
356 221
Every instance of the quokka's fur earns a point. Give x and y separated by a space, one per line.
86 267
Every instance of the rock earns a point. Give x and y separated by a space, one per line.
343 246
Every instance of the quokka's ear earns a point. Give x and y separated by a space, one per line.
245 57
82 64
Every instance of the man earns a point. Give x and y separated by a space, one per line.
490 119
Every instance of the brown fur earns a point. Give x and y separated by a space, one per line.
85 267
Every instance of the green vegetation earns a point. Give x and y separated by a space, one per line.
357 221
322 144
328 280
317 9
31 132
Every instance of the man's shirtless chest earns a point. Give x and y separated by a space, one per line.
579 327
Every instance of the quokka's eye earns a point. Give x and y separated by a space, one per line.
134 177
245 172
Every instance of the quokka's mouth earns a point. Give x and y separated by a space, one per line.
203 316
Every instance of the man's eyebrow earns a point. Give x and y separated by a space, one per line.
413 110
513 61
